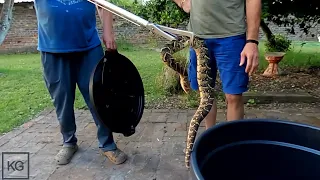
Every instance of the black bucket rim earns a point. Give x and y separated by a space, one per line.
193 159
140 105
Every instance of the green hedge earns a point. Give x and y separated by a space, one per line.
164 12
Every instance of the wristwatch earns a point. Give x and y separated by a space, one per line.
252 41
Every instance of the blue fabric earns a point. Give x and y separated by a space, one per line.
66 25
62 72
225 57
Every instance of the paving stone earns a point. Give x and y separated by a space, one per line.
145 117
136 136
12 143
90 129
8 136
146 164
252 115
48 120
50 149
174 139
179 110
275 115
73 173
91 158
133 148
139 176
101 175
173 148
153 132
32 147
172 117
155 151
182 117
41 166
172 163
158 117
310 120
175 129
164 174
160 111
281 97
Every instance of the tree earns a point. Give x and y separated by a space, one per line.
5 19
290 13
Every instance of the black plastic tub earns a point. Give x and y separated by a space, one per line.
257 149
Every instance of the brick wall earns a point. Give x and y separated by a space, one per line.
23 35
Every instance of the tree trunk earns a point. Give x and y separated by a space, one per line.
266 31
5 19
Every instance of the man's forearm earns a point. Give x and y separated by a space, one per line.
107 20
253 14
179 2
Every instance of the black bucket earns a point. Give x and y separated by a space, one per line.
258 149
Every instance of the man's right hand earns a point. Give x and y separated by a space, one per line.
186 6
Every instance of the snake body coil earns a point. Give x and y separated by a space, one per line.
204 78
167 57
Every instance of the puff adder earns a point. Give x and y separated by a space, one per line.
204 78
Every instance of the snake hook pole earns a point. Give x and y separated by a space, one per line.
164 31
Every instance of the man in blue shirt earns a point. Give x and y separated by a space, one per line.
70 48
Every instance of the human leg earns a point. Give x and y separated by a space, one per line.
86 64
60 81
234 78
210 119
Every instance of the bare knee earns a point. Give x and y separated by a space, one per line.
234 99
235 107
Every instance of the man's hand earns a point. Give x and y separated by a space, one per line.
250 53
109 41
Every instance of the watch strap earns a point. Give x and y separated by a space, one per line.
252 41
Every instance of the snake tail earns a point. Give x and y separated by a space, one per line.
204 78
167 57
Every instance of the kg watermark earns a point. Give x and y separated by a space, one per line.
15 165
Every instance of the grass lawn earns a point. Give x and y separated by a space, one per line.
23 94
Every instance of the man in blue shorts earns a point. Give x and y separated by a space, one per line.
231 31
70 48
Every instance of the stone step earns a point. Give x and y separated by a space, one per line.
279 97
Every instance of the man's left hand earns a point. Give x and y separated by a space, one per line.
109 41
250 53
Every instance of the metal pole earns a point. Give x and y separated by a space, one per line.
120 12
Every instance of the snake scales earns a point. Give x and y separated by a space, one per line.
204 78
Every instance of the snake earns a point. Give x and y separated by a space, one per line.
167 57
204 79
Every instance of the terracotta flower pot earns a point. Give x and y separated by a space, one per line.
273 59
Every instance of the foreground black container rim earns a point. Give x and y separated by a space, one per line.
294 134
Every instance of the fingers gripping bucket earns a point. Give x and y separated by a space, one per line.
257 149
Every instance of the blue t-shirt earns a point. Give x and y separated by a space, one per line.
66 25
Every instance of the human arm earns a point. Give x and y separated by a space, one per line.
108 35
184 4
251 51
253 14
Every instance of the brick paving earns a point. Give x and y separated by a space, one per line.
155 151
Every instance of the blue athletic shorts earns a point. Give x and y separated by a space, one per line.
225 57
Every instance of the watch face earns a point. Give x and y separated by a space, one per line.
117 93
